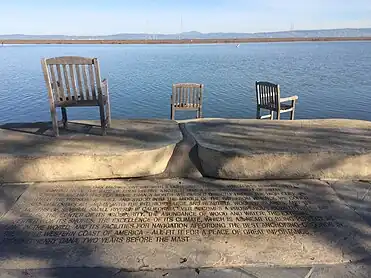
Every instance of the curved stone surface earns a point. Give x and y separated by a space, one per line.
256 149
132 148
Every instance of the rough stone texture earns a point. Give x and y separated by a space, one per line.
175 273
352 270
184 162
256 149
133 148
357 195
345 236
270 272
360 269
9 195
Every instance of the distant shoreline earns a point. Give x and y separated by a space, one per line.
185 41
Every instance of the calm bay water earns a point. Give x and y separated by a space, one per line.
332 79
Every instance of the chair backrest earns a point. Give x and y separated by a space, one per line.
187 94
72 79
267 93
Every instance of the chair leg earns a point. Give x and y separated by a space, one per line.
64 117
258 112
54 116
272 114
278 114
171 112
200 112
108 112
293 110
102 119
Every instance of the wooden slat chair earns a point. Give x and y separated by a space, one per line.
186 96
268 97
74 82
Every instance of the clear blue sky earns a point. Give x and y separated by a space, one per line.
94 17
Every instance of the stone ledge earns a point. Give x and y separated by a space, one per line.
256 149
132 148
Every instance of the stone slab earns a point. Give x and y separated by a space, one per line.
9 195
184 162
271 272
176 273
357 195
351 270
132 148
175 223
264 149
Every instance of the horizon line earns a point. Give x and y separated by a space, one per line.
184 32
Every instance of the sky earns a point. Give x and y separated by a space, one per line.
104 17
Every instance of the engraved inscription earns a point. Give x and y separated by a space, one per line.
165 213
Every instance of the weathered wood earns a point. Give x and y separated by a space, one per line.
172 102
194 97
67 60
84 103
54 84
67 81
200 100
73 82
268 97
181 89
177 96
105 121
97 78
51 97
86 85
92 82
105 98
60 84
186 96
293 103
77 87
79 81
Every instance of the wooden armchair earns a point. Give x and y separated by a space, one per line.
268 97
186 96
72 82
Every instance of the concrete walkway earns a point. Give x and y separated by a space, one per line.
41 238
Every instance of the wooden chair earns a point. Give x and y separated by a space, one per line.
186 96
268 97
74 82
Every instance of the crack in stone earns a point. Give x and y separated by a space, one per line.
243 271
309 274
367 191
15 202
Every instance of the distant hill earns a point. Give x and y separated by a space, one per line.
360 32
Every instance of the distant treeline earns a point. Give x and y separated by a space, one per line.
183 41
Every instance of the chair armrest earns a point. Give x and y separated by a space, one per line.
284 99
104 83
